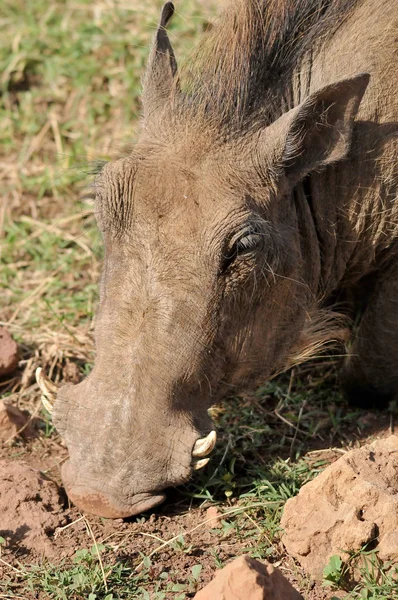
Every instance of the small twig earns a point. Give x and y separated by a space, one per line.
59 529
340 450
303 404
98 553
155 537
289 423
262 532
292 374
59 462
11 567
11 325
253 521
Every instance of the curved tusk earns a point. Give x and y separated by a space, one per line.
199 464
48 388
204 446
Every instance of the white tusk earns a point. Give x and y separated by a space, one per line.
46 385
48 388
47 405
204 446
199 464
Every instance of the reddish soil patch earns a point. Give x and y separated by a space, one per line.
8 353
13 422
30 509
129 541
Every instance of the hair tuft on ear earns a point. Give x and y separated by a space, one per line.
320 130
167 13
316 133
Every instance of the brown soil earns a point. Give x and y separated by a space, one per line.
8 353
47 531
38 524
30 510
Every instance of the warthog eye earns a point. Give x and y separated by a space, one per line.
246 244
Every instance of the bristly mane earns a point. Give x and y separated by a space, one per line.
241 71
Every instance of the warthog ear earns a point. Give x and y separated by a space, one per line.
161 70
318 131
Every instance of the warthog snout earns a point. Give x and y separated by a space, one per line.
106 504
121 460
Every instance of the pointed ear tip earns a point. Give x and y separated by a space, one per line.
357 83
167 13
363 79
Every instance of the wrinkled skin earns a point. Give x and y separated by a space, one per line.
215 266
169 345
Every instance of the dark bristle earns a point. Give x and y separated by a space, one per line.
244 66
95 167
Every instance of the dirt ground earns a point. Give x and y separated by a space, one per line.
43 529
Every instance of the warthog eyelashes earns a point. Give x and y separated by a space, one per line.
251 241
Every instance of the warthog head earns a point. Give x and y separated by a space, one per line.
207 281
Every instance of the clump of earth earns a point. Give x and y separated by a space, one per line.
8 353
31 508
351 505
13 422
246 578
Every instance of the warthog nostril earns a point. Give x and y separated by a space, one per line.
48 388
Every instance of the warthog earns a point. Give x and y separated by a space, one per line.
261 191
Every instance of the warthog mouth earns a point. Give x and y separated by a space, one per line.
103 503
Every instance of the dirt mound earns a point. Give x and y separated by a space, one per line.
8 353
30 509
248 578
13 422
352 503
